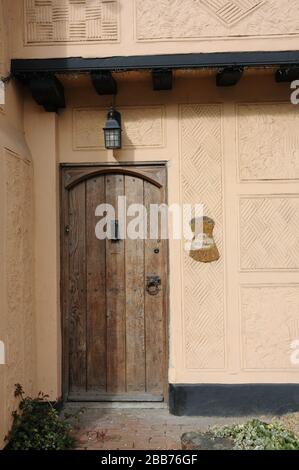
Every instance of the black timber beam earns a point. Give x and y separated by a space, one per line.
23 67
104 83
47 91
162 80
287 74
229 76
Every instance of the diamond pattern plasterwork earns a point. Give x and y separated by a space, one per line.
270 323
203 283
142 127
269 233
175 20
270 151
232 11
54 21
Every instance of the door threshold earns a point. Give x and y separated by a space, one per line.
117 405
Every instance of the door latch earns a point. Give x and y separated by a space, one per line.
153 283
114 231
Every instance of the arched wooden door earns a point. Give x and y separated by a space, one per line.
114 328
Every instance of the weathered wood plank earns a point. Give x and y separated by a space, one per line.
77 288
134 251
96 289
64 297
154 304
124 397
115 295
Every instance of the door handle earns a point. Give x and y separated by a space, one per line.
114 231
153 283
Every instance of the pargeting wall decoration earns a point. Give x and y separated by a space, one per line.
143 126
20 322
269 231
204 314
273 138
177 20
232 11
55 21
270 322
203 246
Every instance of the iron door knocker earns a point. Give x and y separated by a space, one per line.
153 284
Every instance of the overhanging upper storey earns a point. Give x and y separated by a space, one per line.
156 62
101 38
42 75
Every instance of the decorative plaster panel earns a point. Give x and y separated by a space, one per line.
269 233
196 19
55 21
268 141
19 262
203 288
142 127
270 323
232 11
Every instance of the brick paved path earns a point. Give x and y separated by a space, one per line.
138 429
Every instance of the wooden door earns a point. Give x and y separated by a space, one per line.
114 328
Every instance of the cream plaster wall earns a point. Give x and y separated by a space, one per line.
232 321
40 133
17 322
100 28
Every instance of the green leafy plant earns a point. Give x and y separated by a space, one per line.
37 425
258 435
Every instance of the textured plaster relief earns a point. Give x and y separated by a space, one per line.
19 278
203 283
55 21
268 141
142 127
270 323
231 12
269 233
196 19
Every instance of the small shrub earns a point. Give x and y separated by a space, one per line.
37 425
257 435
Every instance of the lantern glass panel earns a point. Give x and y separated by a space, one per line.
112 138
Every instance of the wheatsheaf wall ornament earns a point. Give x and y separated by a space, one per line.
203 246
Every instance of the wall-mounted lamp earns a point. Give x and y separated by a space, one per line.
112 130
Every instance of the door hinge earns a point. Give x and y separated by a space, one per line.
67 229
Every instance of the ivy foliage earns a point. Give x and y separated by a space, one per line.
37 425
258 435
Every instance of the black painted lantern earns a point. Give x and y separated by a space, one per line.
112 130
